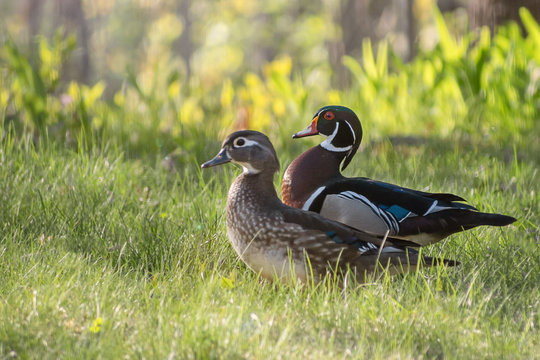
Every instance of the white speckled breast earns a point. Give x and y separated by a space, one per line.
251 231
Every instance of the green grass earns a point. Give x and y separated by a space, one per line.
103 255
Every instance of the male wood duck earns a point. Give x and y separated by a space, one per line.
274 239
314 182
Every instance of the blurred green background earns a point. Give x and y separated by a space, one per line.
174 77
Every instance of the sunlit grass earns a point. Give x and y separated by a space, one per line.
107 256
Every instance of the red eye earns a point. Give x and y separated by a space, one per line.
329 116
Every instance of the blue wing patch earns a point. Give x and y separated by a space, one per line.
396 210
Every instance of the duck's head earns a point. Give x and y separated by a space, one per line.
251 149
340 126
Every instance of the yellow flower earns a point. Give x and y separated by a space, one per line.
227 93
281 66
96 325
278 107
173 90
334 97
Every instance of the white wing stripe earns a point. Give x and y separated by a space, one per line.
388 218
406 216
382 214
312 198
435 208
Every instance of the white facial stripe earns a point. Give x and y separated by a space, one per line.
327 144
331 137
352 131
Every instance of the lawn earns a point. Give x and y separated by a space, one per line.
103 255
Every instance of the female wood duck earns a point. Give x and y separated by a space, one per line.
313 181
276 240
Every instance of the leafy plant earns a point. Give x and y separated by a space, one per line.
480 86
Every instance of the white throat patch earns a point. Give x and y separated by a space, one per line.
248 169
327 144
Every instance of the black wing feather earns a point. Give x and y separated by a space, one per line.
381 193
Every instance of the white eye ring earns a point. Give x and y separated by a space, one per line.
239 142
243 142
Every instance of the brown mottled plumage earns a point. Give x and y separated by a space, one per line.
274 239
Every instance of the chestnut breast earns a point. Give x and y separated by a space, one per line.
308 172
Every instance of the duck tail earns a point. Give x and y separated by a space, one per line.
447 222
481 218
